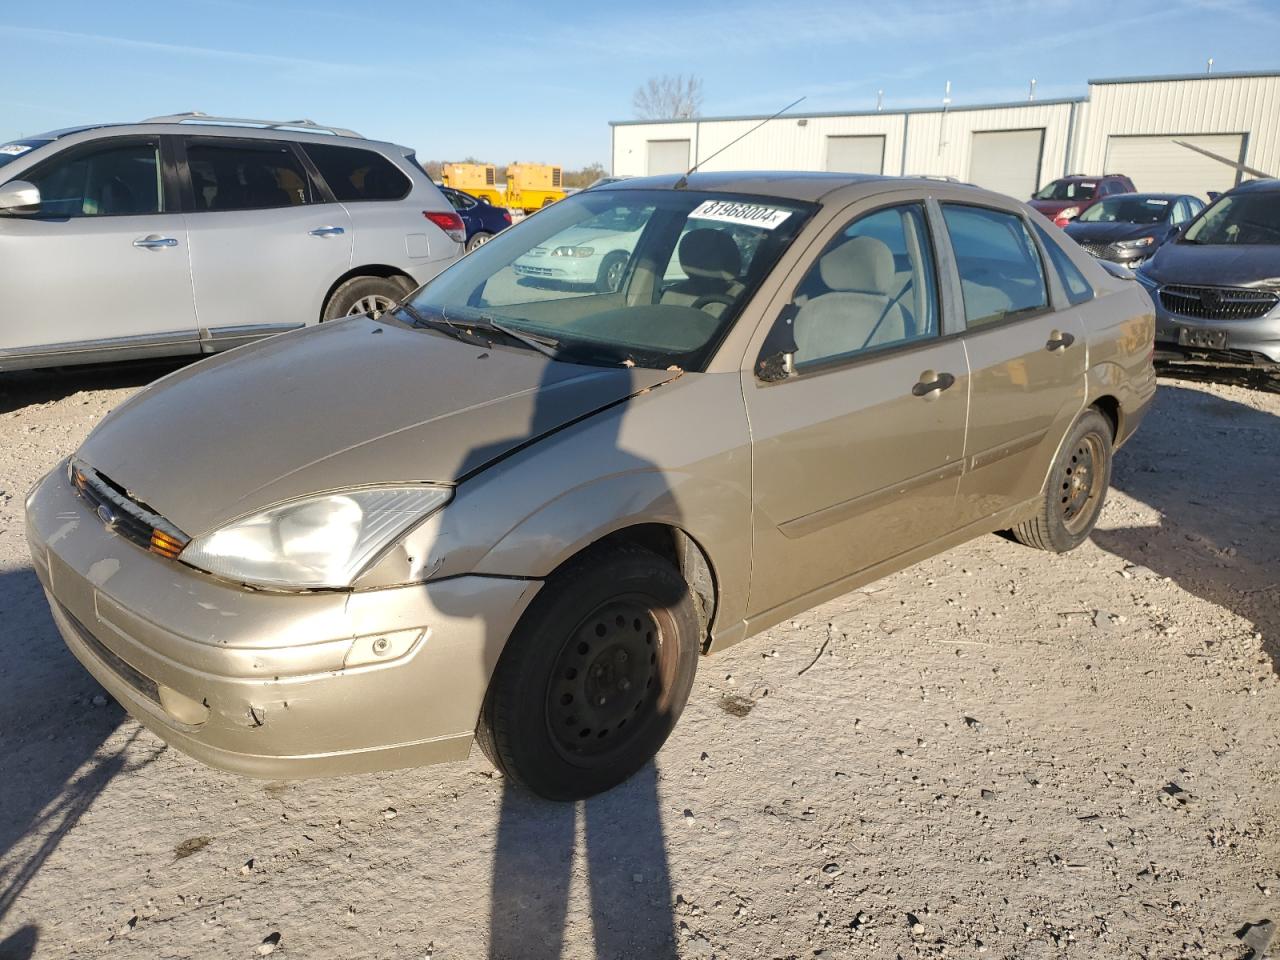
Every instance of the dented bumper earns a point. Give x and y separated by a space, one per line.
272 684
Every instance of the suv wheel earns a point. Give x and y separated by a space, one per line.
366 295
594 677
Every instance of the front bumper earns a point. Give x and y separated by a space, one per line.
1250 343
263 683
575 270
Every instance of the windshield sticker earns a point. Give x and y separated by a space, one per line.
747 214
13 149
1152 202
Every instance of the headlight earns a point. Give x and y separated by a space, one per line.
321 541
1140 242
573 251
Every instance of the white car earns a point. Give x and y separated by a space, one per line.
597 253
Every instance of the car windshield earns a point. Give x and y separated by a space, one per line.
14 149
1244 218
646 277
1128 210
1068 190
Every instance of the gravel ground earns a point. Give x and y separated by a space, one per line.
995 753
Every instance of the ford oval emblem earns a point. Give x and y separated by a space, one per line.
108 517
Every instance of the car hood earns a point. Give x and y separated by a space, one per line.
348 403
1113 232
1229 265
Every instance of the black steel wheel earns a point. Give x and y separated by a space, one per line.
595 676
1076 488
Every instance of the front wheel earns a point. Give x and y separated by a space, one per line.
373 296
594 677
612 270
1077 487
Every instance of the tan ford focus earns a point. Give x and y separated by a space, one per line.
520 507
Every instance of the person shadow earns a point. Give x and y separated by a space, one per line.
55 749
1215 536
622 838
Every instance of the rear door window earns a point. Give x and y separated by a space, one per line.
118 178
1073 281
355 174
1000 271
228 175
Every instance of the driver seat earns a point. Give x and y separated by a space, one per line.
711 261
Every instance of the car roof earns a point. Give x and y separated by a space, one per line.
214 127
807 186
1257 186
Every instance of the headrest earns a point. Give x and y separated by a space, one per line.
862 264
710 253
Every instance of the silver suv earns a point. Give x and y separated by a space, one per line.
191 234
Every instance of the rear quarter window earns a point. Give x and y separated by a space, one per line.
1079 290
354 174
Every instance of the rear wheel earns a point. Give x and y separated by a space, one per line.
366 295
479 238
1076 490
595 676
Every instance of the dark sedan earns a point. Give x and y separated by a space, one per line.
1217 285
1128 228
482 219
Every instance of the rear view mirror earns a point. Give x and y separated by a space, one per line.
19 196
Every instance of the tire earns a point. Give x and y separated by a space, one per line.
1076 489
609 277
559 716
351 297
478 239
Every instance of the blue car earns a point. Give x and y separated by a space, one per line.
1128 228
481 218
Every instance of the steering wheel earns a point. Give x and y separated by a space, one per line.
724 298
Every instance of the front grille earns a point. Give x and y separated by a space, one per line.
136 679
118 511
1217 303
1096 249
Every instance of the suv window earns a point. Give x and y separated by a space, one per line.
105 180
1073 281
873 286
354 174
1000 271
241 176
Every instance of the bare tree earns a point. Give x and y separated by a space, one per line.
669 98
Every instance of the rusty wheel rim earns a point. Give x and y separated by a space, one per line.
1080 483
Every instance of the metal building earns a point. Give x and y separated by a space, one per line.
1125 125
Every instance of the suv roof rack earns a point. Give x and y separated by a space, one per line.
195 116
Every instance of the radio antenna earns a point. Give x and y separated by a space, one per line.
684 181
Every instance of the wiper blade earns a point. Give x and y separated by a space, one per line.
547 346
443 323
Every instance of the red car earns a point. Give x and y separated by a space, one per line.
1066 198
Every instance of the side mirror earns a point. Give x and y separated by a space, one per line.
778 352
19 196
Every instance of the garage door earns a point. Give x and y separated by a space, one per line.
855 154
668 156
1007 161
1158 165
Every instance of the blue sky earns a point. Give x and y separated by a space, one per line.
540 80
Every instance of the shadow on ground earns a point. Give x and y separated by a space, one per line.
27 387
54 750
1219 516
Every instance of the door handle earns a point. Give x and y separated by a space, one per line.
931 385
154 242
327 232
1059 341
